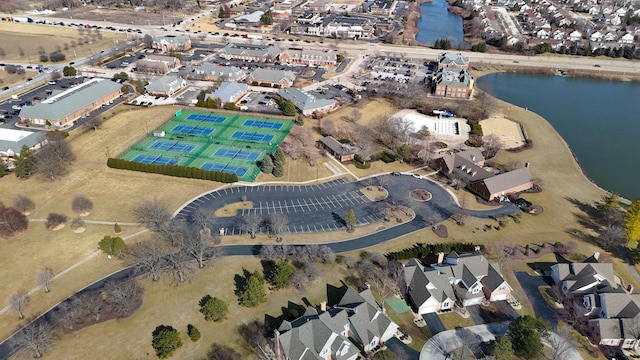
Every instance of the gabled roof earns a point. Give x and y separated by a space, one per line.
609 328
219 71
335 146
453 58
453 76
171 39
228 91
165 83
494 279
252 50
619 305
273 76
506 181
12 140
305 101
64 104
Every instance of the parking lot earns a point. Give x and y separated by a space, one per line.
398 70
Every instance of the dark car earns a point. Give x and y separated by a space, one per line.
5 88
395 173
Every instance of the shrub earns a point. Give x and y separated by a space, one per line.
476 129
165 341
384 157
213 309
360 165
54 220
117 229
193 332
14 222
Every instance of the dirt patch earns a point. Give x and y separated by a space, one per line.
441 230
57 227
507 130
230 210
79 230
420 195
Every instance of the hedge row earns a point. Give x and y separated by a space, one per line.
421 250
173 170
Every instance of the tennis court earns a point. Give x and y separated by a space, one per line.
192 130
228 168
156 160
263 124
174 146
212 141
238 154
208 118
252 136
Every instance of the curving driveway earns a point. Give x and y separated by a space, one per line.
322 207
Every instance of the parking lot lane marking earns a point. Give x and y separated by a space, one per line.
280 205
313 204
332 203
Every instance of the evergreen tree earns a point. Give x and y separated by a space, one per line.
253 292
213 309
281 275
279 161
193 332
25 163
112 245
288 108
501 348
267 164
632 222
526 333
350 219
165 341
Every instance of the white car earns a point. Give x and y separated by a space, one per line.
416 176
16 107
51 82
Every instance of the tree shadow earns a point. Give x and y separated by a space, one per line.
240 281
338 219
335 294
268 266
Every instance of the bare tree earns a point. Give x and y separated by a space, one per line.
173 231
94 122
491 144
327 128
12 222
278 224
612 235
45 278
503 253
326 254
18 302
66 315
180 269
146 258
35 338
53 159
23 204
251 224
90 303
198 244
81 204
123 296
153 214
202 218
560 343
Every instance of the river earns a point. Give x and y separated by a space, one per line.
437 23
599 119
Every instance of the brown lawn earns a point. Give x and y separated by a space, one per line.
29 37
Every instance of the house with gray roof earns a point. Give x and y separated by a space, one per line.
271 78
157 64
503 185
61 110
252 19
310 57
453 60
453 83
215 72
467 278
342 152
325 332
165 85
229 92
166 43
305 102
250 52
466 166
12 141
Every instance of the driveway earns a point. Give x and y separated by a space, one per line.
530 285
402 350
434 323
503 312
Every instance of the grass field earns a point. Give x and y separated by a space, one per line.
29 37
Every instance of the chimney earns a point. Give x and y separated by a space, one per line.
440 257
596 255
276 340
323 306
630 288
526 165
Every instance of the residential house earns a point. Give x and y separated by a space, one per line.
229 92
165 85
157 64
307 103
342 152
453 60
309 57
627 39
453 82
271 78
215 72
468 279
250 52
61 110
466 166
167 43
504 184
336 332
575 36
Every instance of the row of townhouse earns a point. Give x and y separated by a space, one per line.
336 26
465 279
272 53
611 312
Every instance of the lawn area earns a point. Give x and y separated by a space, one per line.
405 321
178 306
29 37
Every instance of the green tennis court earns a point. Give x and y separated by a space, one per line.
231 143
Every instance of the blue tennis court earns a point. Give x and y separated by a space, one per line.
192 130
207 118
252 136
156 160
172 146
263 124
239 170
238 154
